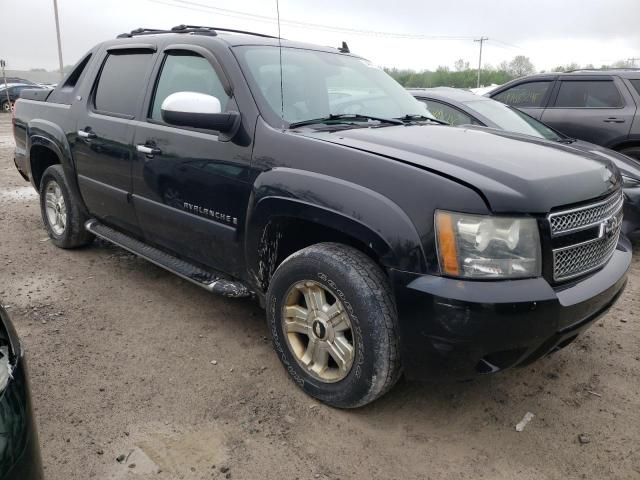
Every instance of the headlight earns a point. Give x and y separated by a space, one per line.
630 182
481 246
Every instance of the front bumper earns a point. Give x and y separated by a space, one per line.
459 329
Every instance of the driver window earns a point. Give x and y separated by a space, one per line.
186 72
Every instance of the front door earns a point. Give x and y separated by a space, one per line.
191 189
103 143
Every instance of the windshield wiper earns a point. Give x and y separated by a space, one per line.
352 117
421 118
567 140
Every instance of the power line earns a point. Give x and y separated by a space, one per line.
507 44
190 5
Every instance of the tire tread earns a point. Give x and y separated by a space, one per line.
377 282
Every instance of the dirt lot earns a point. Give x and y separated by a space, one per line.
121 356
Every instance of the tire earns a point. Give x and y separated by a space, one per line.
5 107
353 284
54 191
633 152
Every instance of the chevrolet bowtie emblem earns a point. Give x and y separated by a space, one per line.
609 227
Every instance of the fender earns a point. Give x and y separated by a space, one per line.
632 140
49 135
622 141
356 211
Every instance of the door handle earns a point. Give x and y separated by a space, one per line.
614 120
148 151
86 134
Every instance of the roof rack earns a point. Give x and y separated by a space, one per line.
623 69
191 29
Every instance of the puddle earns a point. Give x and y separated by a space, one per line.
20 193
185 455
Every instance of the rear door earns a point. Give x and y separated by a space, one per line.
191 188
103 140
530 96
596 108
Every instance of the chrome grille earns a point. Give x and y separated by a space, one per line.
588 255
579 259
584 217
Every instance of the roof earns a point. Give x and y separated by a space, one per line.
620 72
231 37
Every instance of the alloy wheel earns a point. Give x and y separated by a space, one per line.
318 331
56 208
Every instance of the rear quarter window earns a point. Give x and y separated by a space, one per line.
636 85
122 82
77 72
588 94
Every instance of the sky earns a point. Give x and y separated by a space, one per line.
417 34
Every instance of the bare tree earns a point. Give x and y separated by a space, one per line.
521 66
622 64
460 65
566 68
503 66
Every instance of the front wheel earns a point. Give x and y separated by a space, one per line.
6 106
633 152
333 321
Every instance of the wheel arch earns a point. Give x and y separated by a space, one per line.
315 208
48 145
633 142
42 154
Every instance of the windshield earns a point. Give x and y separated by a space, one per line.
319 84
512 120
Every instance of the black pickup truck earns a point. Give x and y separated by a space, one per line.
379 241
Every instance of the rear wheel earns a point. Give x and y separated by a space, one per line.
61 215
333 321
633 152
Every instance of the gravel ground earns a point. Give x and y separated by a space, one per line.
129 362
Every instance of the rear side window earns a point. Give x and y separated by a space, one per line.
72 79
636 85
122 82
447 113
588 94
186 72
529 94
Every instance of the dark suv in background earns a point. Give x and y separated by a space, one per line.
599 106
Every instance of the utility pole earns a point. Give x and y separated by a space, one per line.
632 61
55 11
480 40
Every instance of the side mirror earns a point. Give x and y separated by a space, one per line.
198 110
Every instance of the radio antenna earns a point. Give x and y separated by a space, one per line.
280 49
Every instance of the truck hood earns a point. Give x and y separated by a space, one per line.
514 173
